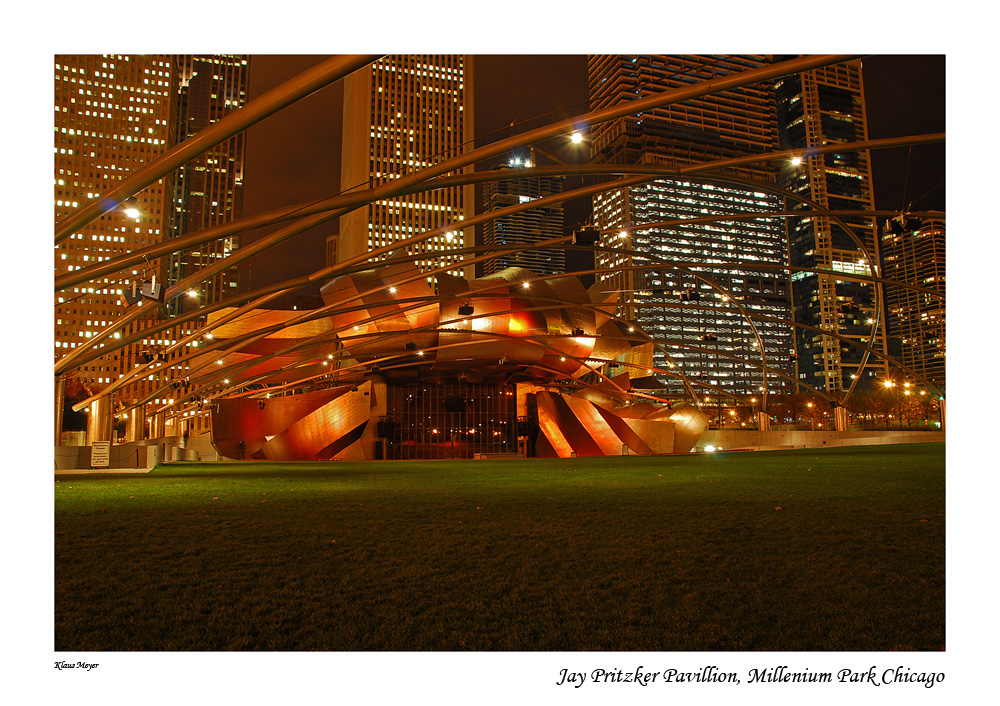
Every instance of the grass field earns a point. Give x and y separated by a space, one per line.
832 549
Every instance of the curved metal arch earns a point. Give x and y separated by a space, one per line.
323 74
303 210
77 354
398 186
850 232
615 185
74 357
312 314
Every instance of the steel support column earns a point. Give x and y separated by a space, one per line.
99 420
840 416
60 395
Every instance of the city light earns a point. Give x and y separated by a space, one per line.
576 138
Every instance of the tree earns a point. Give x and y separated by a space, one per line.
75 392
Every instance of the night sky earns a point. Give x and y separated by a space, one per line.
294 155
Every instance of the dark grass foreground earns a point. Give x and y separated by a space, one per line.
834 549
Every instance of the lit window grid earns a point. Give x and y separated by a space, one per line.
122 122
417 106
724 252
208 191
917 319
111 116
812 241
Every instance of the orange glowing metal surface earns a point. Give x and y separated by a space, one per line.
510 334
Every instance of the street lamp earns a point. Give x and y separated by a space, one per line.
889 384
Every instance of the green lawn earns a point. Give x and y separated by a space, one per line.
832 549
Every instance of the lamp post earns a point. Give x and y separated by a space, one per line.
888 385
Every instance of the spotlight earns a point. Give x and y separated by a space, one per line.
260 404
411 346
131 295
153 290
466 310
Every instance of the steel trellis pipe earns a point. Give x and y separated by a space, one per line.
401 185
309 81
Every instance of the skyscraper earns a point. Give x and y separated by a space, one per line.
815 108
917 319
114 114
526 227
209 189
702 328
401 114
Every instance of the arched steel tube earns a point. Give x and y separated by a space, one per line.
309 81
77 355
400 185
493 215
303 210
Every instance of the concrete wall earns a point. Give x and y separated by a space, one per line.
139 454
758 440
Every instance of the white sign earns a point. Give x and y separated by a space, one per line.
100 454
